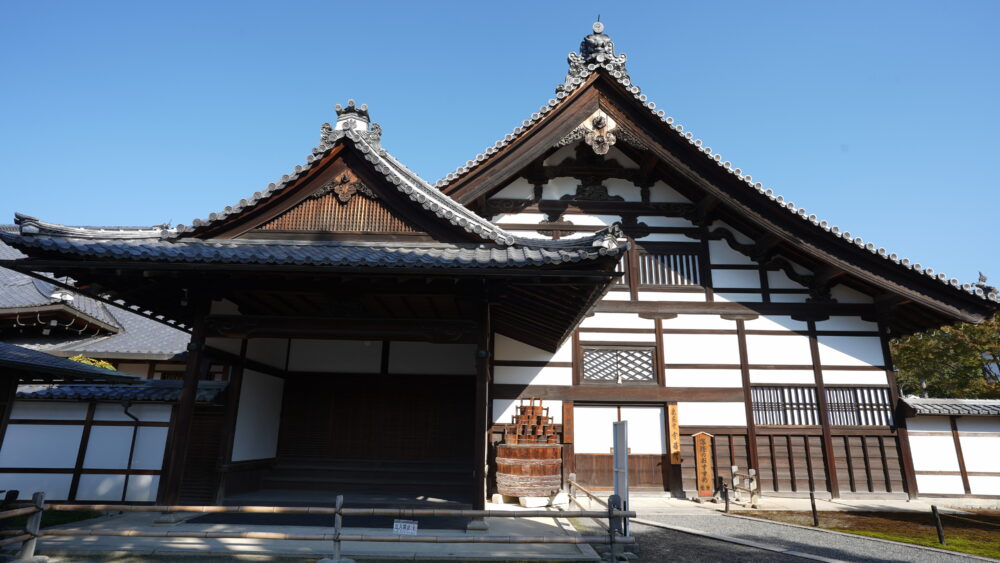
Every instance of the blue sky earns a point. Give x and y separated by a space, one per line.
880 117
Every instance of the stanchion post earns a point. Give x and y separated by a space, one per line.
338 526
725 495
937 524
812 502
32 526
614 525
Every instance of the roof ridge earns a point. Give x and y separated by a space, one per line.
586 63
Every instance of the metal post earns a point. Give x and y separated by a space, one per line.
33 525
338 525
614 525
725 495
620 436
937 524
812 501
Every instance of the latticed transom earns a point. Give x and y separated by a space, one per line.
859 406
674 268
784 405
618 365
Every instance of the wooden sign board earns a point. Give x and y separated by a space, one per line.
703 464
674 429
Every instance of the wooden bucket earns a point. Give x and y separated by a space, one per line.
529 470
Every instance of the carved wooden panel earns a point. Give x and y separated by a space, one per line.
341 205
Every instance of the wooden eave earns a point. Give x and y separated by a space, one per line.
919 302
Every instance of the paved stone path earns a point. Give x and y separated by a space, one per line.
812 542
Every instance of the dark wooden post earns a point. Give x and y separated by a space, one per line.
899 416
829 457
741 334
8 391
483 376
232 410
196 366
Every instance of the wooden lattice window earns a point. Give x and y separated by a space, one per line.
669 264
781 405
859 406
619 365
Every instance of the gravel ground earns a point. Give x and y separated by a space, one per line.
824 544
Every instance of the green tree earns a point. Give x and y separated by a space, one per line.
959 361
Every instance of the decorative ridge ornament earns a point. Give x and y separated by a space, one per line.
600 138
596 50
345 187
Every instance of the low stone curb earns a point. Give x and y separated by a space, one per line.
730 539
856 536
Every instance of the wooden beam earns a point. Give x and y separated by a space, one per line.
196 366
353 328
741 334
483 378
595 392
824 418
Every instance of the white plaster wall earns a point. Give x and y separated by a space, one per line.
258 417
140 370
558 187
624 189
617 320
231 345
928 424
723 297
779 350
789 297
847 323
703 378
145 412
593 430
848 377
518 189
701 349
984 484
142 488
933 453
342 356
506 348
519 218
657 221
529 234
850 350
981 453
698 322
108 447
780 280
940 484
504 409
661 192
721 253
711 414
617 337
430 358
48 410
270 351
533 375
55 485
844 294
617 295
589 220
783 376
740 237
569 151
978 424
100 487
666 237
38 445
775 322
688 296
735 278
646 429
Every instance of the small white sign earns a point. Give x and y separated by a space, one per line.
404 527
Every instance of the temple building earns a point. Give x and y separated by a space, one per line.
353 326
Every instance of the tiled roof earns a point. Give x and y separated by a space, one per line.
597 52
158 391
524 252
405 180
136 334
42 366
954 407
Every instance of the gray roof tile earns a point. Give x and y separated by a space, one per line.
954 407
158 391
44 366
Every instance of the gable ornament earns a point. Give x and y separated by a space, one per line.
344 188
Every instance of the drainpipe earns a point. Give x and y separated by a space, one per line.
131 451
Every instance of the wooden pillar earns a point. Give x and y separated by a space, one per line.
8 392
741 333
958 452
232 410
483 377
196 367
899 416
824 418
